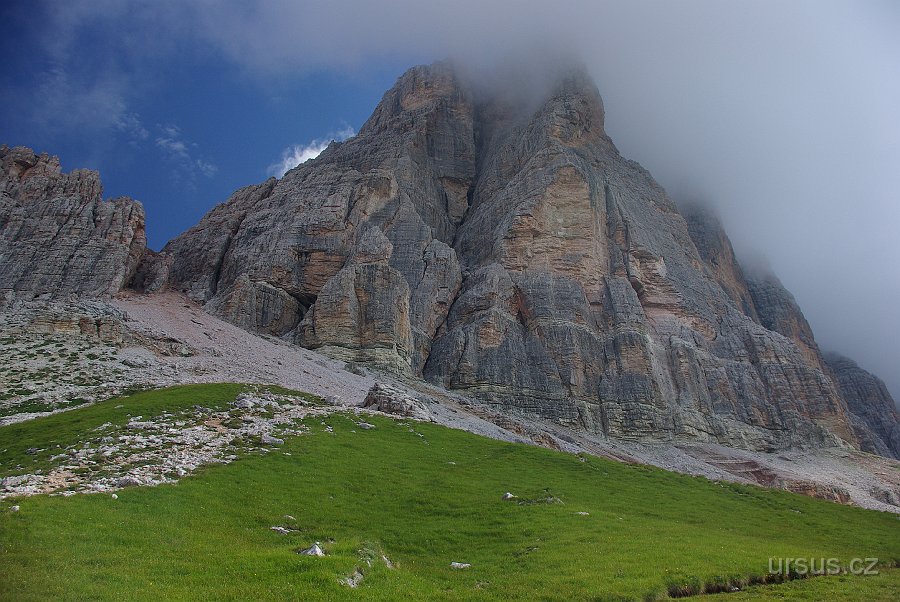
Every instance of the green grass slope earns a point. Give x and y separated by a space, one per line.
424 496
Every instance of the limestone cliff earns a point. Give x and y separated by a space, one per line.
57 236
507 250
287 242
523 261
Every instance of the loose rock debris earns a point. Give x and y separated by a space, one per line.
165 448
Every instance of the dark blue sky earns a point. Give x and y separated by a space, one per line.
783 115
179 130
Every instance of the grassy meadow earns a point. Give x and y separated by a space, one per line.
421 496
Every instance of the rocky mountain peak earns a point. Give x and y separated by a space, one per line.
33 177
19 162
574 109
417 92
496 243
502 247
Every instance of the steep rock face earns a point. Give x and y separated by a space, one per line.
57 236
760 295
779 312
363 312
510 252
715 248
408 172
877 421
586 300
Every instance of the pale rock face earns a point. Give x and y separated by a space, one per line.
511 253
362 312
407 172
57 236
715 248
587 301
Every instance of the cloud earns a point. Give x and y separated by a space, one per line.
296 154
206 168
61 100
171 143
179 153
130 125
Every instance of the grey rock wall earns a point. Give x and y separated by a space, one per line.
510 252
57 236
875 415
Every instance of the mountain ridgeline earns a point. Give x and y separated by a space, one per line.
501 250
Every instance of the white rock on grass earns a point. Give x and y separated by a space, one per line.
267 439
509 496
460 565
313 550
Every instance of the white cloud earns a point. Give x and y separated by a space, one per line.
170 142
130 125
206 168
185 167
296 154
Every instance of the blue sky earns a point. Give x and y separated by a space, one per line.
782 115
179 131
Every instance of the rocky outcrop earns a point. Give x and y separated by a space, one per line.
507 250
407 172
715 248
586 300
57 236
876 419
779 312
760 295
363 312
392 400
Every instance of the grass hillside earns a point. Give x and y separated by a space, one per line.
422 496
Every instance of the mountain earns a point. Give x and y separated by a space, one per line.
57 237
504 249
871 405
